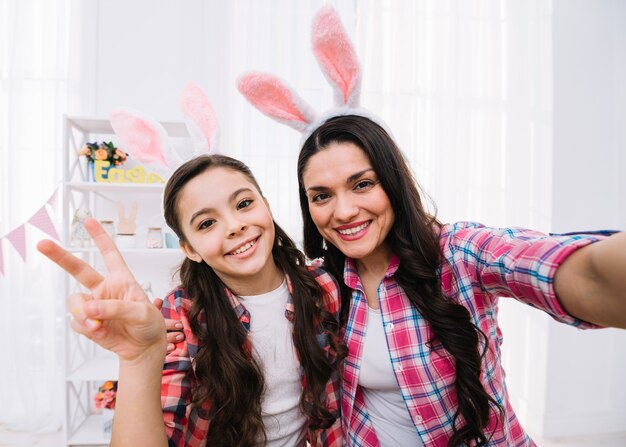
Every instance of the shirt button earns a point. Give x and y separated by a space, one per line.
389 327
397 368
418 419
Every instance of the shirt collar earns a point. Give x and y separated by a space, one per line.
351 275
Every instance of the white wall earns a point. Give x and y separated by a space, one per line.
585 389
141 54
563 382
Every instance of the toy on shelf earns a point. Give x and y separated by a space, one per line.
126 227
78 234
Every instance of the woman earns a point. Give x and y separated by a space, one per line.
419 298
259 363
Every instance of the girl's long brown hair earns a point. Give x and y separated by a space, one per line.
228 376
413 239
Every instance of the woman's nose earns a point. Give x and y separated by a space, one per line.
345 208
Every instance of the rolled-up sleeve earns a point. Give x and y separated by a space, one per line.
519 263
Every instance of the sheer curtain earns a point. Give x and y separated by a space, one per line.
464 86
33 96
466 89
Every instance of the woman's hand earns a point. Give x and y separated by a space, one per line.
174 328
116 313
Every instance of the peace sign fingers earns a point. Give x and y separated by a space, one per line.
79 269
112 257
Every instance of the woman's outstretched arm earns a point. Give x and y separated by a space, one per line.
591 283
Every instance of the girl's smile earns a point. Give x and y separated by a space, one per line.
231 229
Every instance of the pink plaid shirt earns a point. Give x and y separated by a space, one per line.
187 426
481 264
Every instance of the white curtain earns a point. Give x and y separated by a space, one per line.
34 42
464 86
466 89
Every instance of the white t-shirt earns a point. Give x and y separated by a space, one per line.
381 392
272 343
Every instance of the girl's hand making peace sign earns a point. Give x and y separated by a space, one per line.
116 313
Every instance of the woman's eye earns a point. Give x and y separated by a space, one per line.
363 184
244 204
319 197
206 224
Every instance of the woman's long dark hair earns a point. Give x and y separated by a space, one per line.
414 240
229 377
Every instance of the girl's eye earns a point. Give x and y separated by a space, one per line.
206 224
319 197
363 184
244 204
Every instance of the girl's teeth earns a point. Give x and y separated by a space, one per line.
243 248
354 230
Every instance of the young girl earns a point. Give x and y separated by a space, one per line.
259 362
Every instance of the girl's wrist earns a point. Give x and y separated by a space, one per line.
152 356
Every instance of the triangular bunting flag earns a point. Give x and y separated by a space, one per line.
17 237
53 197
42 220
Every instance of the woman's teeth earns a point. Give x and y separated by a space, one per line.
354 230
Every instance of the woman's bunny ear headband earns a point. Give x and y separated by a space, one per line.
145 139
336 57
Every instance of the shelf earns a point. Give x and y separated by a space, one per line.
103 126
86 366
139 251
116 187
91 432
97 369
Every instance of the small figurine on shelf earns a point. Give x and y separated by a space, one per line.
105 155
126 228
78 234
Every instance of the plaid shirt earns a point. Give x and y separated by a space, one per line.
187 426
480 265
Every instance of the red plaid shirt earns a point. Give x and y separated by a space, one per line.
481 264
187 426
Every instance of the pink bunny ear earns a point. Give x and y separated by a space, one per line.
275 99
200 118
143 138
336 57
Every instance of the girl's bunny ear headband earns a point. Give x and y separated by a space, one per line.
336 57
145 139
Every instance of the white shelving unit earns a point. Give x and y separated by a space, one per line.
87 365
